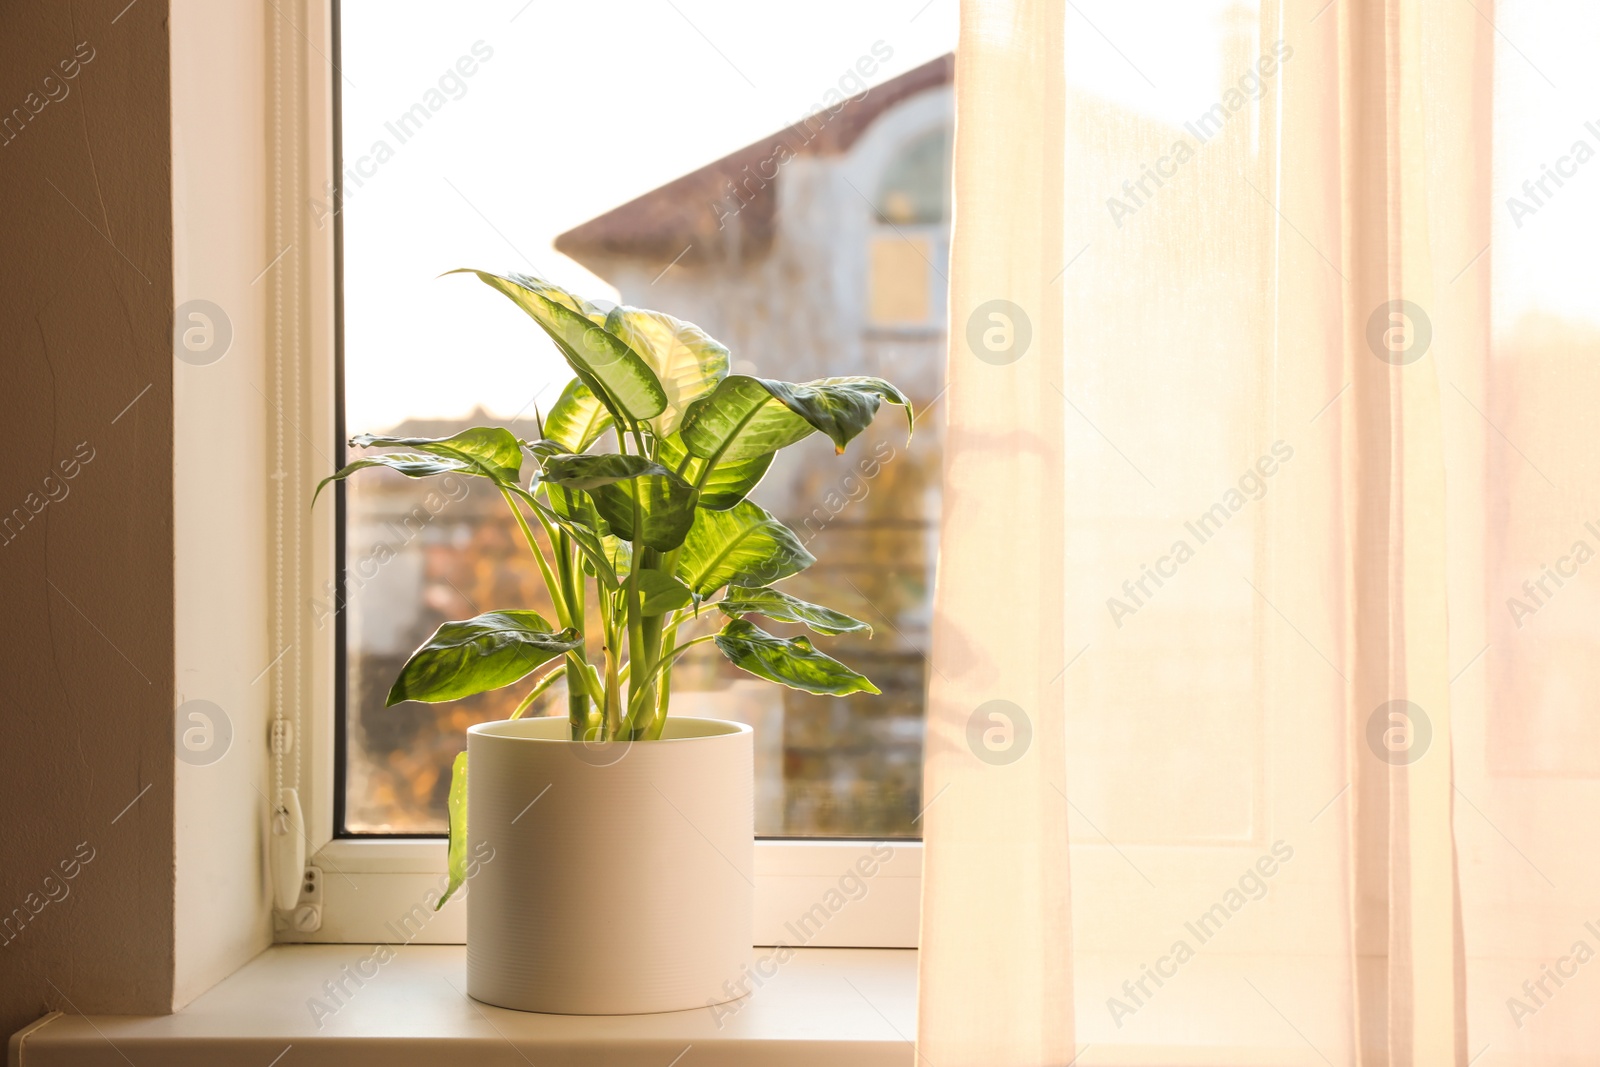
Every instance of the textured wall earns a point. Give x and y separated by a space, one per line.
86 544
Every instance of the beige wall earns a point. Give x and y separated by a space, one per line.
220 488
140 186
87 585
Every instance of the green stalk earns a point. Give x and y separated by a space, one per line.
552 586
653 707
638 439
667 663
543 684
612 721
568 597
638 655
658 720
572 587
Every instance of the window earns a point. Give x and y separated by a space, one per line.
798 210
910 242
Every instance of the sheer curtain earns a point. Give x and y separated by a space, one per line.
1262 723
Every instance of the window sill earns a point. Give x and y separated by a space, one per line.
845 1007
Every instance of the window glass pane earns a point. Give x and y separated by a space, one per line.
916 186
701 170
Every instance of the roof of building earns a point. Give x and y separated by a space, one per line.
727 210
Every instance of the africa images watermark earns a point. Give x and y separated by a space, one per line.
740 192
1537 191
54 889
850 489
850 887
1538 592
365 569
55 490
1537 993
339 990
52 90
451 85
1252 486
1252 85
1252 886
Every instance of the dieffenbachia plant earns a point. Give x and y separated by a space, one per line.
659 527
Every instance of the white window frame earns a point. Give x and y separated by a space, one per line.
369 884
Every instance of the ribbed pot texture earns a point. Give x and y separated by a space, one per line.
622 875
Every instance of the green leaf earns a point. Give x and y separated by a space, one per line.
411 464
781 607
688 362
741 546
458 828
593 472
479 654
570 503
550 291
619 554
791 662
629 488
578 419
601 360
661 593
746 417
490 451
726 485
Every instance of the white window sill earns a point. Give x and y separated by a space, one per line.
843 1007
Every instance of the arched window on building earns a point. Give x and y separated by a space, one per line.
909 245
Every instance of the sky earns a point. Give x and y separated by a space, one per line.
572 109
578 108
581 107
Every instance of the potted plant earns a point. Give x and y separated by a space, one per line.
623 837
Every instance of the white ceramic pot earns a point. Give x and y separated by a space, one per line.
622 876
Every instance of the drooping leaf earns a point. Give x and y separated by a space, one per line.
726 485
741 546
827 390
688 362
458 828
781 607
490 451
603 361
578 419
410 464
792 662
479 654
745 417
639 499
661 593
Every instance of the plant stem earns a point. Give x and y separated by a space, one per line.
552 586
653 709
658 720
612 720
543 684
653 733
639 658
572 587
